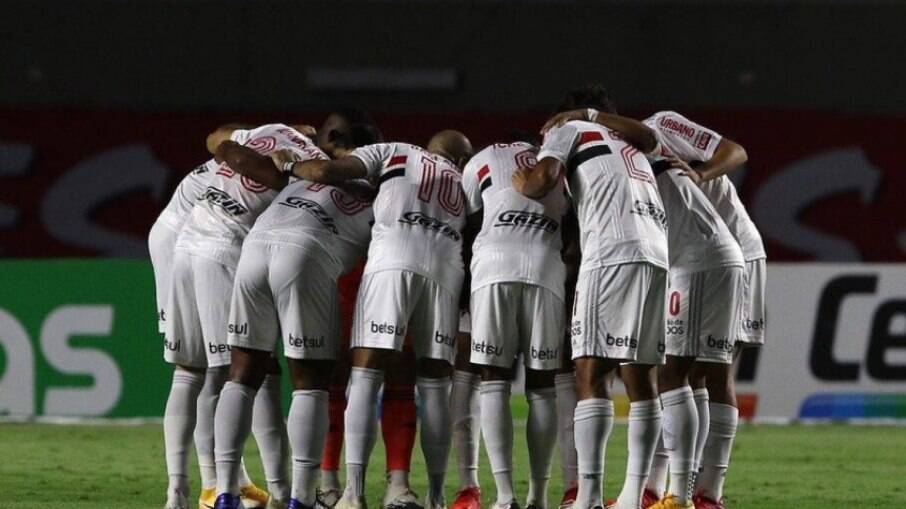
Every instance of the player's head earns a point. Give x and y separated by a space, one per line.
453 145
347 128
587 96
524 136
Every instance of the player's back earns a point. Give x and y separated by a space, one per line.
520 238
189 190
418 212
231 202
305 212
620 213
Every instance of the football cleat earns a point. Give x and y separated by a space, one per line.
207 498
404 500
176 501
533 506
273 503
468 498
703 502
227 501
345 503
295 504
253 497
327 499
436 504
649 498
512 504
671 502
569 498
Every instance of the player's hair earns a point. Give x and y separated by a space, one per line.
363 130
523 135
588 96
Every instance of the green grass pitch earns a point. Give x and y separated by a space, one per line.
802 467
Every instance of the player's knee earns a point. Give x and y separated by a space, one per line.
433 368
371 358
310 375
591 378
248 367
538 379
494 373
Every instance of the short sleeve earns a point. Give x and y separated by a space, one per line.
374 157
559 142
684 138
472 175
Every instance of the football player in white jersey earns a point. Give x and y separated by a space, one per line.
204 263
618 314
286 287
411 282
706 157
517 306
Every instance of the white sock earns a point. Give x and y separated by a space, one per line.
704 421
361 426
307 425
680 428
716 457
541 436
594 422
657 474
232 424
644 434
244 479
434 394
269 429
466 414
566 425
330 479
215 378
497 429
179 422
397 483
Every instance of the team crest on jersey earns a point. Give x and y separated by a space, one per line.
419 219
523 219
224 201
313 208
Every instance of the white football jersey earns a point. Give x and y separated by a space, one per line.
520 238
692 142
621 217
306 212
418 213
187 193
231 202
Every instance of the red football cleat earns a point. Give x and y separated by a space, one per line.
469 498
703 502
569 498
649 498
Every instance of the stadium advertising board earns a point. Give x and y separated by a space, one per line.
78 337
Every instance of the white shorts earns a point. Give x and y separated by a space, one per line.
391 301
703 313
161 243
285 291
619 313
513 318
197 311
752 322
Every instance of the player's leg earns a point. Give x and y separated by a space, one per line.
700 395
495 343
593 425
565 384
433 326
183 347
466 412
398 426
269 430
379 326
640 379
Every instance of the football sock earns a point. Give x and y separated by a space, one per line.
397 483
704 420
179 423
541 436
680 428
269 429
644 433
333 447
215 378
361 426
497 429
307 425
232 424
716 457
594 422
466 425
565 384
398 425
435 434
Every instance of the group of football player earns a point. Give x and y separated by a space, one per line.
616 248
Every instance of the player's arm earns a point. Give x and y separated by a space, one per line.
329 172
572 256
251 164
728 156
634 132
473 226
361 190
538 181
222 134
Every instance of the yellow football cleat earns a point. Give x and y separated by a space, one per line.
253 497
671 502
207 498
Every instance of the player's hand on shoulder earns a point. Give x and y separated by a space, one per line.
520 179
688 171
224 149
281 157
561 118
306 129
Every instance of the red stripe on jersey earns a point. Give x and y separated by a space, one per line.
483 172
590 136
397 160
